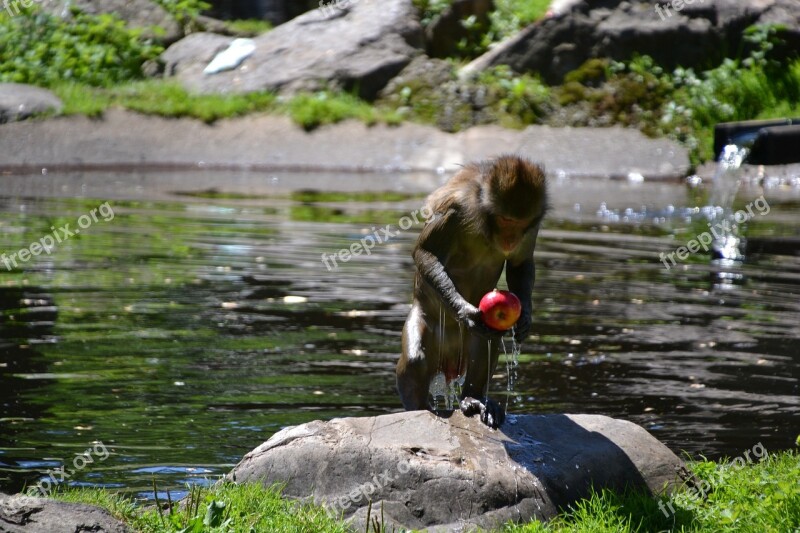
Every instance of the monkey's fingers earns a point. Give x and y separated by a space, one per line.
485 332
493 414
471 406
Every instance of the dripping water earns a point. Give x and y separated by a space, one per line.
727 244
512 366
442 391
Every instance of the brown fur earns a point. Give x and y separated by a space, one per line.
460 256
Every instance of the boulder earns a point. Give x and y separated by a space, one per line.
699 36
449 472
143 14
27 514
19 101
353 45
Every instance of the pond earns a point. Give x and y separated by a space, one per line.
192 317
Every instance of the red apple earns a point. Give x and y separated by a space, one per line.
500 309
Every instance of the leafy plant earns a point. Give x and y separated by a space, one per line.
430 9
185 11
522 98
313 110
41 49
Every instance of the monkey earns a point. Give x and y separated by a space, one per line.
484 219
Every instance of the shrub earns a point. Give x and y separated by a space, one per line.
41 49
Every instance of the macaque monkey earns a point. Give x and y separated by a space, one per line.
486 217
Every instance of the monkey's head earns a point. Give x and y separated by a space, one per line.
514 199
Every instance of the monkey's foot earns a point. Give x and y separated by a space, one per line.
492 413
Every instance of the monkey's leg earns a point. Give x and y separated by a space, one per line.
418 361
482 363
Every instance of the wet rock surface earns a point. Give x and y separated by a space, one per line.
355 46
452 472
19 101
26 514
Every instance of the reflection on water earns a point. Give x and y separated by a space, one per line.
191 327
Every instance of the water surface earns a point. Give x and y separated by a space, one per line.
201 319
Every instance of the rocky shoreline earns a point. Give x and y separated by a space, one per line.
123 139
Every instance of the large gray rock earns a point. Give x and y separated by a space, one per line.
26 514
141 14
19 101
700 35
355 45
447 473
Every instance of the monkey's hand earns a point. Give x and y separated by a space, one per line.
522 327
492 413
472 317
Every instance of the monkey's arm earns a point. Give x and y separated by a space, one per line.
439 235
520 278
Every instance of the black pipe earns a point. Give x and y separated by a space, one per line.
771 142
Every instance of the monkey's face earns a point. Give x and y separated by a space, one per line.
509 232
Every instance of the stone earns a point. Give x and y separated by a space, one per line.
449 472
354 45
19 101
27 514
141 14
699 36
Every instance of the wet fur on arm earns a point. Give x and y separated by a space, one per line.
430 268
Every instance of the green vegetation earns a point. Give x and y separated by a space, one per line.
248 27
762 497
313 110
225 507
164 98
40 49
758 497
683 104
185 11
95 62
508 17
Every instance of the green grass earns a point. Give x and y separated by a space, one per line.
226 507
313 110
170 99
249 27
759 497
162 98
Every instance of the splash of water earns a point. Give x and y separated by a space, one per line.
445 393
727 243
